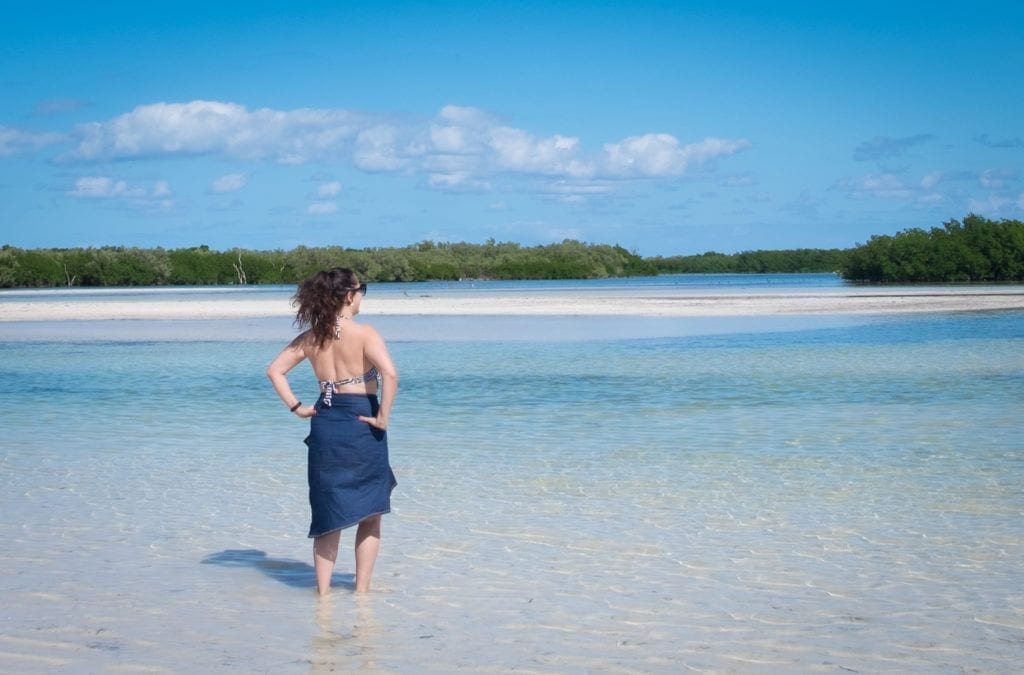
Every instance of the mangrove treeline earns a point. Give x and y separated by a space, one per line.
977 249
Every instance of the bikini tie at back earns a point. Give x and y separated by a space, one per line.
328 387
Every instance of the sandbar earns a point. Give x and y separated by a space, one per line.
636 302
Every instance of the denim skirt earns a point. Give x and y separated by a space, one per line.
350 478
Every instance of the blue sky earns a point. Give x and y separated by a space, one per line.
666 127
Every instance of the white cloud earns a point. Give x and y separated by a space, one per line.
712 148
99 187
451 139
575 191
329 189
885 185
444 163
932 179
459 148
457 181
322 208
230 182
464 144
156 196
15 141
992 205
996 179
564 187
519 151
215 127
884 147
660 155
380 148
936 188
466 116
647 155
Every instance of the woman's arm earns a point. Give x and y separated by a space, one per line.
377 353
290 356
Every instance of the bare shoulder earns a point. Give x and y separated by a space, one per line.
367 331
303 342
301 339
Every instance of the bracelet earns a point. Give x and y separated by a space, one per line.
295 407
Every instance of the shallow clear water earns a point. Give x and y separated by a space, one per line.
813 494
719 283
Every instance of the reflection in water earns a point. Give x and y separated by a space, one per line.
346 629
334 648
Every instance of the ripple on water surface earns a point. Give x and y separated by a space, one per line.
823 498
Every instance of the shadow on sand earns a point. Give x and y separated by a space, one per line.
293 573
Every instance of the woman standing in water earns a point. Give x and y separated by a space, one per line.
350 479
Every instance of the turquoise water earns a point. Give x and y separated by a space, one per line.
784 495
722 283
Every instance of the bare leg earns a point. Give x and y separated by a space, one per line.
367 547
325 552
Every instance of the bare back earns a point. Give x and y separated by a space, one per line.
345 358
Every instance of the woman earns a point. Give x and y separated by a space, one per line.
350 480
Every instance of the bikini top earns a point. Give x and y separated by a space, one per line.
328 387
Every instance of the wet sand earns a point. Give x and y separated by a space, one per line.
867 300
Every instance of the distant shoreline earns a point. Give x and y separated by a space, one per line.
635 302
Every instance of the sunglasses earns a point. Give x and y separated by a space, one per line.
361 289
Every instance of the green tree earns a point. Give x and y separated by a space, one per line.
978 249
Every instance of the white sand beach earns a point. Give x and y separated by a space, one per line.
866 300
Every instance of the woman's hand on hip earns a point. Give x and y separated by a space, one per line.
305 411
377 422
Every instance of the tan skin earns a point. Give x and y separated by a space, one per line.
359 348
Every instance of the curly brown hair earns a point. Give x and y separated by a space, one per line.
320 299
